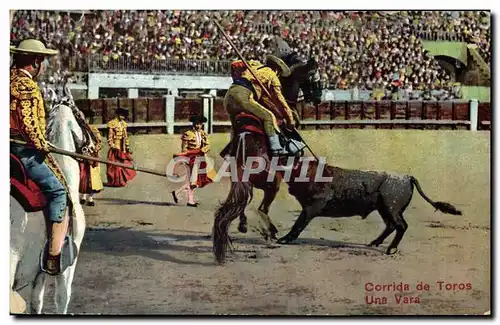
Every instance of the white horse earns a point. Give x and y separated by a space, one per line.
28 231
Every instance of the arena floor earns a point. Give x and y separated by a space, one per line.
142 254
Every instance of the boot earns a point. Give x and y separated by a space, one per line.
57 235
90 201
275 146
295 146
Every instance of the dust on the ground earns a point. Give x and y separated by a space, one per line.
143 254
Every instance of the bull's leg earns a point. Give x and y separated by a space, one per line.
401 227
396 193
300 224
307 214
389 227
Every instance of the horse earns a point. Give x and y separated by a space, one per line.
64 131
303 77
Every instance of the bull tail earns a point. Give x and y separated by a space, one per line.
238 198
441 206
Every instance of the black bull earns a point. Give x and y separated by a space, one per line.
356 192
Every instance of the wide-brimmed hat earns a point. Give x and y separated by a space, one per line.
122 110
285 70
32 46
197 119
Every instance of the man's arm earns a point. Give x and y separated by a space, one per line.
186 137
205 143
111 134
30 101
125 136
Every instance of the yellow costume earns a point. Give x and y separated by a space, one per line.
117 135
27 116
246 93
195 144
119 151
90 172
95 171
192 139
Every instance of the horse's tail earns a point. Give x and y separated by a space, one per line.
238 198
441 206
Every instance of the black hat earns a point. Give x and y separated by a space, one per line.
198 119
122 110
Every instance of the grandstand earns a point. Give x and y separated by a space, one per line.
428 53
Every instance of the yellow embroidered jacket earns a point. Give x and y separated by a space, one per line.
27 116
271 81
27 111
192 139
117 135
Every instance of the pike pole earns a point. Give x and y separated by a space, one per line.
103 161
257 79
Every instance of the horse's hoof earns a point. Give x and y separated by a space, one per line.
242 228
83 201
373 244
391 251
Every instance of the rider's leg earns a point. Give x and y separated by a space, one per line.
270 124
241 99
56 196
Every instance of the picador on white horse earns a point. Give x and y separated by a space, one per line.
41 181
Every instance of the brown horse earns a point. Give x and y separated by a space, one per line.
249 141
303 77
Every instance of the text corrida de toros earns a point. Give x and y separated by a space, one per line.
375 291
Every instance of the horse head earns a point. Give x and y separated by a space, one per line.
304 76
309 80
66 125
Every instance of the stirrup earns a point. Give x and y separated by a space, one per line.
66 258
278 152
295 146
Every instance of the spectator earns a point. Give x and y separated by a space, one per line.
353 48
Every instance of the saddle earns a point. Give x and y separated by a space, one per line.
23 189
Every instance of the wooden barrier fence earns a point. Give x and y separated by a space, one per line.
171 115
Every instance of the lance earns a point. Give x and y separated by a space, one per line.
96 159
295 132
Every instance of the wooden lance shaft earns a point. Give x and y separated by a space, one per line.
103 161
257 79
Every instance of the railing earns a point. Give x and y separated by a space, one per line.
440 36
155 66
171 115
